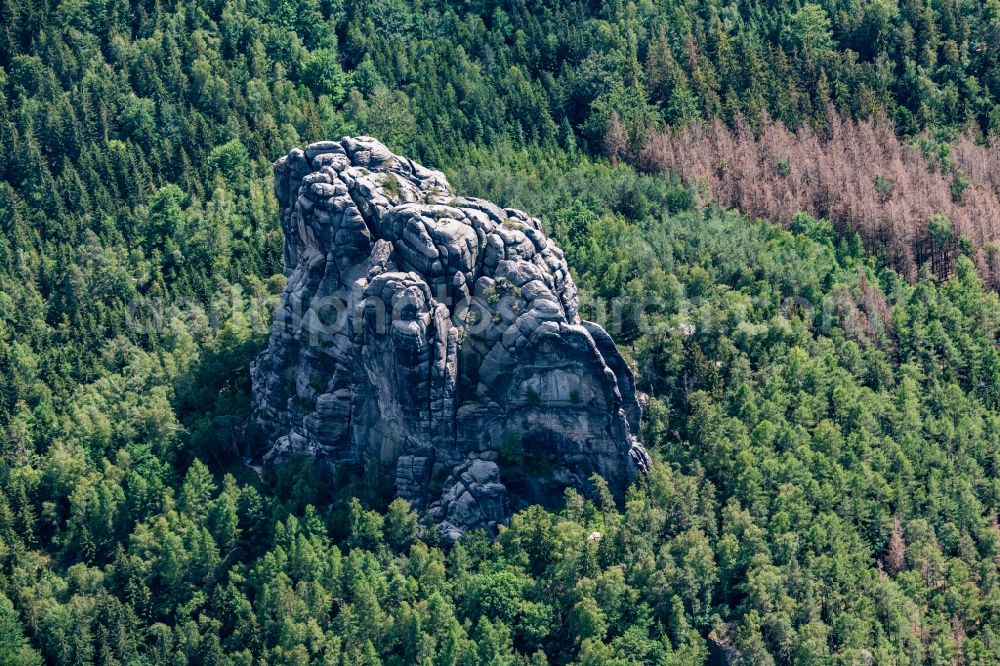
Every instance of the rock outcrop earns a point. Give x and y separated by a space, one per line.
436 338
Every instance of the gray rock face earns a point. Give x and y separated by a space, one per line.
436 337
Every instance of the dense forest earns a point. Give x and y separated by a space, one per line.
823 369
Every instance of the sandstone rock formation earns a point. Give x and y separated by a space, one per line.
437 338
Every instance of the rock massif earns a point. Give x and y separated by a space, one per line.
436 339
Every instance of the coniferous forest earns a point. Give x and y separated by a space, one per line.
796 205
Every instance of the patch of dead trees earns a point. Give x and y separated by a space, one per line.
907 202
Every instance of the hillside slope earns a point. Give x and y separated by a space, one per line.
824 430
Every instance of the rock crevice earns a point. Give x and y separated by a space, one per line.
438 338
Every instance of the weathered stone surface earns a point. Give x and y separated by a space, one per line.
473 497
436 337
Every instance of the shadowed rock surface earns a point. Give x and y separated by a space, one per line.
436 337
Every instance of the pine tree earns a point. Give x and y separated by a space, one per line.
895 550
615 139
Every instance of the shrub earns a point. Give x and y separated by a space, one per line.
512 448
